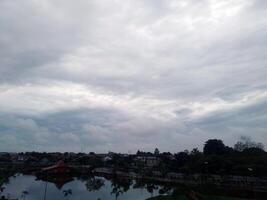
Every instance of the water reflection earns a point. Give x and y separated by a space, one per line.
94 184
59 181
28 187
67 192
24 194
120 185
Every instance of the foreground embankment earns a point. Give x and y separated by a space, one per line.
258 184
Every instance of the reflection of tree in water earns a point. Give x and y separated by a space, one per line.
5 175
165 189
24 194
120 185
139 183
94 184
150 187
2 188
4 181
67 193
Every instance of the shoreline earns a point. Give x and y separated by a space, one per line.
237 182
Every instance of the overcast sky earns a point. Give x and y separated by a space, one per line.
123 75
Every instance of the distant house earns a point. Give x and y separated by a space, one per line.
152 161
58 168
149 161
173 175
21 158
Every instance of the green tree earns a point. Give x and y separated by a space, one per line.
246 143
214 147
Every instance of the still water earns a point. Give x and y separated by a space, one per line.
98 188
29 187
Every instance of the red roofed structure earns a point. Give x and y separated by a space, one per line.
58 168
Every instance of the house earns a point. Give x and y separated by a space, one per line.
21 158
174 175
149 161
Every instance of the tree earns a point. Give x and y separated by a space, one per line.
214 147
156 152
181 159
253 151
246 143
163 168
195 152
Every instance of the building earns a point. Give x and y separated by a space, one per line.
149 161
58 168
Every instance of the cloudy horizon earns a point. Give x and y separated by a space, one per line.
126 75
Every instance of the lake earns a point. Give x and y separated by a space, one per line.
28 187
98 188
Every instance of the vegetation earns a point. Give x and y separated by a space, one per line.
246 158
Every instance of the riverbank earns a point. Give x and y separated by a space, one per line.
235 182
183 197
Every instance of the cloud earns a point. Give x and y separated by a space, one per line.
110 75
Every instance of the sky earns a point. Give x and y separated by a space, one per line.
123 75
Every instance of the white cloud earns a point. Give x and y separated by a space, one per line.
150 69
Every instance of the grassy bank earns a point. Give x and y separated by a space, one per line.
183 197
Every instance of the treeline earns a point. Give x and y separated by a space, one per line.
245 158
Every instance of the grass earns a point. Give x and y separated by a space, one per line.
182 197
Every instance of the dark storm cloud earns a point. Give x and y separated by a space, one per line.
128 75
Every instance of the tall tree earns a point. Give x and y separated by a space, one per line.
156 152
214 146
246 143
